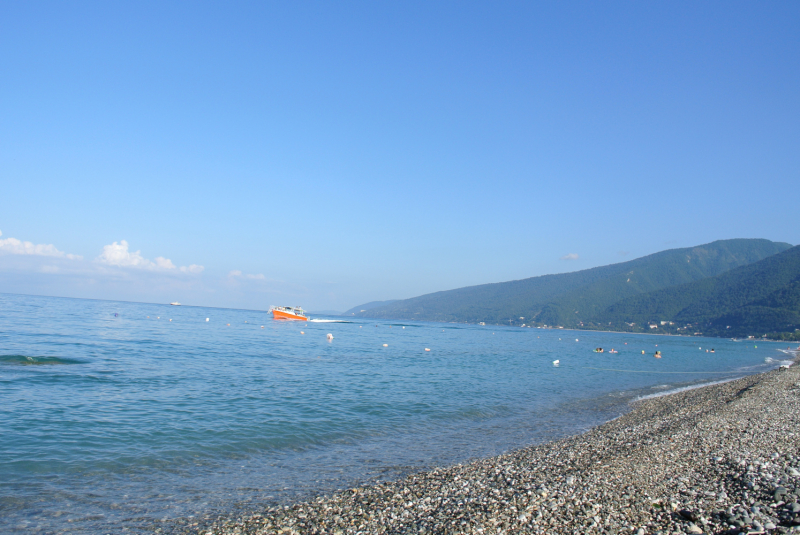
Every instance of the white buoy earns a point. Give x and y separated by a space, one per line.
302 332
556 362
262 326
329 336
170 319
206 319
427 349
576 339
385 345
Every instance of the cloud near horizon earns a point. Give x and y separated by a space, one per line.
15 246
238 274
570 256
118 254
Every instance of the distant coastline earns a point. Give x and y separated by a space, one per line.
726 289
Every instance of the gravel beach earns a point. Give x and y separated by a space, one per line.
723 458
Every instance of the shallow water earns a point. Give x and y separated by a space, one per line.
111 415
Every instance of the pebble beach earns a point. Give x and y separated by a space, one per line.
723 458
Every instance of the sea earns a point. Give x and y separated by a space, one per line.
119 417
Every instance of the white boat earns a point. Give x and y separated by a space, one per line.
175 303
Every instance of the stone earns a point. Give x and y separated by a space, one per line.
688 515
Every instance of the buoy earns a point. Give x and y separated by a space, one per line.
385 345
229 324
303 332
576 339
642 351
262 326
403 327
556 362
158 317
206 319
427 349
170 319
329 336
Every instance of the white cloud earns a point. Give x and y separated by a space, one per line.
118 254
238 274
194 268
164 263
15 246
570 256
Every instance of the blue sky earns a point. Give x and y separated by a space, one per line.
328 154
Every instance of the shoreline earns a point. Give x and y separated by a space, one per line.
577 330
720 458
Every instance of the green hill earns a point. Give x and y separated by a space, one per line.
574 299
763 297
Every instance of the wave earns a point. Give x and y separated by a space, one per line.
685 388
778 362
25 360
768 360
328 321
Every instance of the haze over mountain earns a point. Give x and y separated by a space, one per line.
368 306
576 299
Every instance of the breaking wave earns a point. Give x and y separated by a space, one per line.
25 360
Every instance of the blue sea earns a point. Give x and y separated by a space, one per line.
119 416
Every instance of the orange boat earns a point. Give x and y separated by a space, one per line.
288 313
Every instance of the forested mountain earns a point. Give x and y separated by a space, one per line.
760 298
575 299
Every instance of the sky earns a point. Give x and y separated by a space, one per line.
326 154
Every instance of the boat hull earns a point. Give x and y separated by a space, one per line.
281 315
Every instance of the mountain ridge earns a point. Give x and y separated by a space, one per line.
572 299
